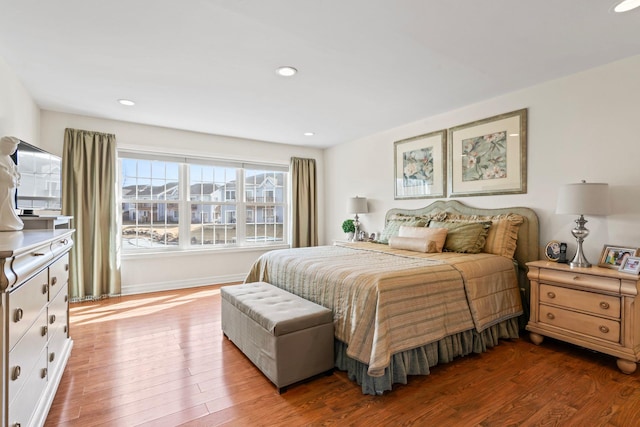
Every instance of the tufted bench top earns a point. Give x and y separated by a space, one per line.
275 309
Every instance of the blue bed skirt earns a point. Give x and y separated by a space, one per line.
419 360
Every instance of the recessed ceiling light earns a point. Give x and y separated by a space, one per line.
286 71
308 134
126 102
626 5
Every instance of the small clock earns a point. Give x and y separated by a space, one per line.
552 251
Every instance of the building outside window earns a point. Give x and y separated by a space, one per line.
173 203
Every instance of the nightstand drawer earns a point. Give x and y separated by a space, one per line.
580 279
597 327
604 305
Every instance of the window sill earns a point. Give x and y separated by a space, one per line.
200 251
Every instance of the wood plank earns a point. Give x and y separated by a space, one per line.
161 360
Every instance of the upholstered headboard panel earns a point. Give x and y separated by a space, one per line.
527 248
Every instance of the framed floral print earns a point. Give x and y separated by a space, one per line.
420 171
489 156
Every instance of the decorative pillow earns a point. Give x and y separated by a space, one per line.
503 234
436 235
464 237
393 226
415 244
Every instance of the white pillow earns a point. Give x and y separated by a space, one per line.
415 244
437 235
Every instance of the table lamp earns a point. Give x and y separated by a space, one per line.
582 199
357 205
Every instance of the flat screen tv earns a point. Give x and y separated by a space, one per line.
40 180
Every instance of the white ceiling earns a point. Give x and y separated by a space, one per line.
364 65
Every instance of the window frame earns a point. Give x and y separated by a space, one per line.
239 206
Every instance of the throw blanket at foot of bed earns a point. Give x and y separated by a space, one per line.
386 301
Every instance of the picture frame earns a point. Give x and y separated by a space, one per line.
613 256
489 156
552 251
630 265
419 166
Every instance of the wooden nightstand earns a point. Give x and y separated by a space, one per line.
591 307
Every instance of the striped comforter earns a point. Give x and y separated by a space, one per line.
385 300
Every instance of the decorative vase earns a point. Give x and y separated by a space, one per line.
349 236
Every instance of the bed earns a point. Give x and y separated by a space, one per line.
398 309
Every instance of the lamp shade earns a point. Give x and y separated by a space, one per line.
357 205
583 199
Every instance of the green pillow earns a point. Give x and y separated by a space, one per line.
464 237
393 226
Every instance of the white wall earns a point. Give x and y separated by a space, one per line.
142 273
585 126
19 114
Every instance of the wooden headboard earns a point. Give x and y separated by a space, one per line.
527 248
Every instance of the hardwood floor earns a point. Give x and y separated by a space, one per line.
161 360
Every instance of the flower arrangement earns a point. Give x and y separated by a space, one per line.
348 226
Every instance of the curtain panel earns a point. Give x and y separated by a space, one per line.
304 205
89 168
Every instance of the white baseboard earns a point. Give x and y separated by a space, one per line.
143 288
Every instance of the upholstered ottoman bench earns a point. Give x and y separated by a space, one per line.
287 337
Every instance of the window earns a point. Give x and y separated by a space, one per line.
181 203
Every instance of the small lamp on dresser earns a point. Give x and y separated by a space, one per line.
357 205
583 199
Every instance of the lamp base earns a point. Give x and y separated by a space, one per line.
580 232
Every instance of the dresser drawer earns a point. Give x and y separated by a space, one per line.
580 279
22 408
603 305
593 326
25 304
57 314
24 355
58 275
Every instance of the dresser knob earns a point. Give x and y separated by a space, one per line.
43 373
576 277
551 294
550 316
45 288
18 315
38 254
15 373
45 330
604 305
52 319
52 357
54 280
604 329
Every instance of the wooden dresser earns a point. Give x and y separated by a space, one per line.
597 308
34 271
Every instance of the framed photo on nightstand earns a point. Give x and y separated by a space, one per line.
630 265
614 256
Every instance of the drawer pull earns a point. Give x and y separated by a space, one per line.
66 267
52 319
45 288
550 316
551 295
65 329
45 330
603 329
604 305
38 254
43 373
52 357
54 280
576 277
18 315
15 373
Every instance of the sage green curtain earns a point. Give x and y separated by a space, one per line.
89 165
304 205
